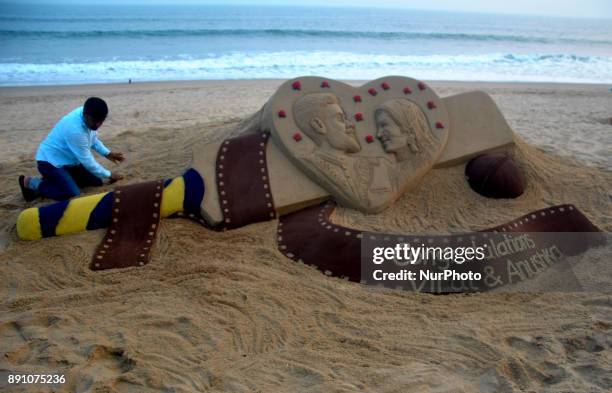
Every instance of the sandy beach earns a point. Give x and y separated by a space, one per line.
226 311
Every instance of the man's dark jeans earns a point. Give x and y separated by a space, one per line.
63 183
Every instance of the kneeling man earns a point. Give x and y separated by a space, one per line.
64 157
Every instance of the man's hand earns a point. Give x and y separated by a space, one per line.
115 157
114 177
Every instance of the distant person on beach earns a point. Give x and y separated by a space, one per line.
64 157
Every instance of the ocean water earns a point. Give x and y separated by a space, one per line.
66 44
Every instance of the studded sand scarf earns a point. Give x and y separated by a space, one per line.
308 236
132 213
134 223
243 182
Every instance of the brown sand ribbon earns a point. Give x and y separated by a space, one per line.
309 236
134 224
243 182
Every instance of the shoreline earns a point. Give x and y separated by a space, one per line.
357 82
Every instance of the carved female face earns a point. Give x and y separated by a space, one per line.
389 133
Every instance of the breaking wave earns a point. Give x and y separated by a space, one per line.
292 33
339 65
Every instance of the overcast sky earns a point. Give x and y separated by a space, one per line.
579 8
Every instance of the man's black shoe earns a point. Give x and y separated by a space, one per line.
28 194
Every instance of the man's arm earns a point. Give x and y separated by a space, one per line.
78 143
99 147
105 151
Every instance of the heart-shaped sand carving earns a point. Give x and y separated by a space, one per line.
365 145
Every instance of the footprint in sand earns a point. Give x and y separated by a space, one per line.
103 364
535 351
590 344
14 342
595 375
534 348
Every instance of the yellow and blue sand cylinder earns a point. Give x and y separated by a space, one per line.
181 194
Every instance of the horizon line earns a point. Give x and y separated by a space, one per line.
284 5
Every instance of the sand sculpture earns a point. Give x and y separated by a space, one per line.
314 139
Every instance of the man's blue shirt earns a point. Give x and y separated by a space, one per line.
70 143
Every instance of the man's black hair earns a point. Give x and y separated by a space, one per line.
96 108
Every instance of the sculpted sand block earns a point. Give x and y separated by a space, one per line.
477 126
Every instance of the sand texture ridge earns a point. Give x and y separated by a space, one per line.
227 312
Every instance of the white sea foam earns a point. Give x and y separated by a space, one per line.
340 65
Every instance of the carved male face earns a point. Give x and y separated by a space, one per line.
339 131
322 118
389 133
